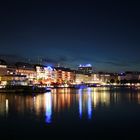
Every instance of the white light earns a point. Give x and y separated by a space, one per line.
80 103
7 107
87 65
48 99
3 66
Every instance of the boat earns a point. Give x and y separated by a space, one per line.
24 89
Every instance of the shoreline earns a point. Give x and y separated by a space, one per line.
27 90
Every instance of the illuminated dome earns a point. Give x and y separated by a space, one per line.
86 65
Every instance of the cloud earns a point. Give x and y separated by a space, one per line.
9 58
117 64
62 60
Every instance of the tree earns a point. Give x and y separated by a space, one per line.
118 82
112 81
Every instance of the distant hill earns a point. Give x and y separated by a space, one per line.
12 59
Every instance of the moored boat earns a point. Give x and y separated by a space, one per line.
24 89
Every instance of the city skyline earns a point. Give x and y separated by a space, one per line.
70 69
103 33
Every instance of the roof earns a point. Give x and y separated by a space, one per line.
24 65
63 69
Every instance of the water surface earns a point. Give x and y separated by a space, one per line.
91 113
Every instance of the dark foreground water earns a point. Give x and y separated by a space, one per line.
92 113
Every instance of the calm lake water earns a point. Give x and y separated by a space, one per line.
92 113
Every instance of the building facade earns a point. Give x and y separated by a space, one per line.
27 70
45 75
85 69
64 75
129 75
3 72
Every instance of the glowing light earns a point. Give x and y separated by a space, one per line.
87 65
34 100
89 90
50 68
89 104
80 103
7 106
3 66
95 98
48 114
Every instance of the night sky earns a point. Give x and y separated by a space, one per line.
105 33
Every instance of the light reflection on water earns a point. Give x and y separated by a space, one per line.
6 106
89 104
80 103
49 105
48 100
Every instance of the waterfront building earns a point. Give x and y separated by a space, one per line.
104 77
64 75
85 69
45 75
28 70
3 68
129 75
94 78
15 79
3 72
114 79
81 78
88 79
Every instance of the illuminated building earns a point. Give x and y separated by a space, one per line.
45 75
85 69
129 75
81 78
15 79
65 75
94 78
27 70
86 78
10 77
104 77
3 72
3 67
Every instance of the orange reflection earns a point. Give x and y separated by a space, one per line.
83 101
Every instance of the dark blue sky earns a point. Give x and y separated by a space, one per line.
104 33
